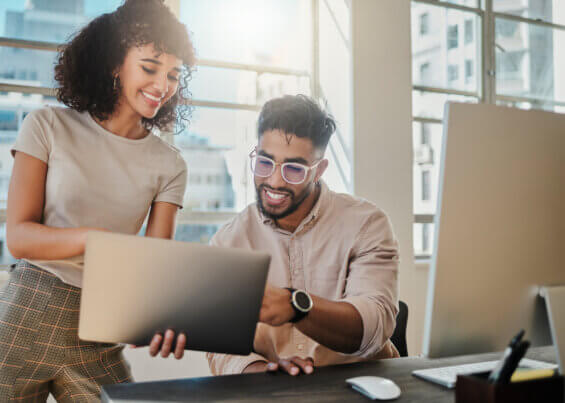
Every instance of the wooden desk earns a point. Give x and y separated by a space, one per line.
325 385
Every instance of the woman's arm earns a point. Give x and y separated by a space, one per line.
162 220
26 237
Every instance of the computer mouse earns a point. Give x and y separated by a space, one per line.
375 387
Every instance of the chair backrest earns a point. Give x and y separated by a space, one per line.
398 338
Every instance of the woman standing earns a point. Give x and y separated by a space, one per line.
96 165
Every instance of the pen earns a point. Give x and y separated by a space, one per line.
495 373
511 363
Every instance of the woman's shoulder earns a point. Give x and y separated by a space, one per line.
164 144
51 113
165 148
168 152
65 113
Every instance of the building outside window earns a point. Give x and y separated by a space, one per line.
452 36
469 70
424 24
264 52
425 135
453 72
425 71
426 185
520 63
469 31
426 234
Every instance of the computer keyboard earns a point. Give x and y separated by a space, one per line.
447 376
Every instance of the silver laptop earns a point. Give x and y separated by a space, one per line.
135 286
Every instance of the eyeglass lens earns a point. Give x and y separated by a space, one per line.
292 173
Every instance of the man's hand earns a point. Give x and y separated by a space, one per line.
276 309
255 367
165 344
292 366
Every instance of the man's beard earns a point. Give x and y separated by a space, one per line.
295 201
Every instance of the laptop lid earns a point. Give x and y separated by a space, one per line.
136 286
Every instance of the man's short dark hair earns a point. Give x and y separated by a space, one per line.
299 115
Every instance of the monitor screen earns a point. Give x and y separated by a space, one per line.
500 228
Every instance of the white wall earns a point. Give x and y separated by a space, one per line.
381 59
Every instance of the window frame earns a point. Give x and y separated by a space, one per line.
186 216
485 68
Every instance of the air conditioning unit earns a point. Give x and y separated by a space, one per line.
424 154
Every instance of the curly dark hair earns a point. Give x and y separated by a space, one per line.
86 65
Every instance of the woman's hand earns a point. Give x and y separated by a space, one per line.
164 345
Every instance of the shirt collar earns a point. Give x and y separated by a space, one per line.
312 216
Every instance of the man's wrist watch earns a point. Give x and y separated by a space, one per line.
301 303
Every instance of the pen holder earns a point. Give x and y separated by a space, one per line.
476 388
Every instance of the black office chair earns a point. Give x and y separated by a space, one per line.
398 338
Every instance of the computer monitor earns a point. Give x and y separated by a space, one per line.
499 228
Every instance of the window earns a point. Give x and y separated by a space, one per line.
425 135
541 10
31 69
425 72
508 62
506 28
452 37
249 51
424 24
425 237
244 61
469 31
525 53
469 69
440 48
426 186
8 123
452 72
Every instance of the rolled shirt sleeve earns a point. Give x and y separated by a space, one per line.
173 189
372 283
227 364
33 138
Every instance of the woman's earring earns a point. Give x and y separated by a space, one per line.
115 82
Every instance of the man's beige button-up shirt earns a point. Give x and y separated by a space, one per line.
344 250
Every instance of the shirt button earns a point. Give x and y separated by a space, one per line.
300 347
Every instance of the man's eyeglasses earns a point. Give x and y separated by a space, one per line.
292 172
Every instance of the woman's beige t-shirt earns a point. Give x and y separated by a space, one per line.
96 178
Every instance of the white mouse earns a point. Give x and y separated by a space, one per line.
375 387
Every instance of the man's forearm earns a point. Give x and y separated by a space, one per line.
254 367
226 364
336 325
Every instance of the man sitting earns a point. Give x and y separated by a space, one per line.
332 287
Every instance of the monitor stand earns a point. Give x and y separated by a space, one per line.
555 302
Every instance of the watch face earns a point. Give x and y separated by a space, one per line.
302 300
